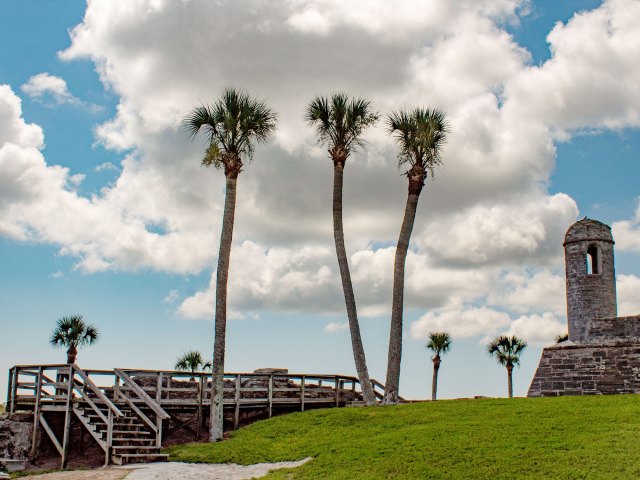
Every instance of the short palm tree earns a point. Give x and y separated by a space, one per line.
421 134
191 361
439 343
72 333
340 123
232 125
507 351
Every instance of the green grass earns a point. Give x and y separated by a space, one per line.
550 438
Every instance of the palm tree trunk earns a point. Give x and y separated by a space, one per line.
347 287
434 381
392 383
509 380
217 385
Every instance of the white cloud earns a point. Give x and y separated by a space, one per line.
541 329
49 88
594 57
460 322
628 287
627 233
105 166
334 327
57 275
483 225
521 292
43 84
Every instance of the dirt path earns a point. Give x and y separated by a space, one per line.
171 471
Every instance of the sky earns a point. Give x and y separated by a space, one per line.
106 212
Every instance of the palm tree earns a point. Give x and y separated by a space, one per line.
340 123
191 361
421 135
439 343
507 351
72 333
232 125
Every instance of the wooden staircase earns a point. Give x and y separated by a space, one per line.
131 440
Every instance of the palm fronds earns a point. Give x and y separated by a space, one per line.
439 342
421 134
340 121
507 350
232 125
192 361
73 332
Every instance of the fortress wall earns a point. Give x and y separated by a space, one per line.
587 370
611 331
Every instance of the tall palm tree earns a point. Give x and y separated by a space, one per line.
191 361
507 351
439 343
421 134
72 333
340 123
232 125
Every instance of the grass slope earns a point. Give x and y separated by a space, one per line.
550 438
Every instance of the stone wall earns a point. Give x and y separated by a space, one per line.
613 331
587 370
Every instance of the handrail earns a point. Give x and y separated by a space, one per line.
98 392
142 394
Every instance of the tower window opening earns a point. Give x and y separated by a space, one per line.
592 260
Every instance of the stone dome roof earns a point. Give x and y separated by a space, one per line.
587 230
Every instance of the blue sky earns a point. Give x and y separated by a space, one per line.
127 236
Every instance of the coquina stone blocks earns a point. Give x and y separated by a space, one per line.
602 355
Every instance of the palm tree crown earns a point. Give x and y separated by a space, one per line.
340 122
507 350
192 361
73 333
421 134
439 343
232 124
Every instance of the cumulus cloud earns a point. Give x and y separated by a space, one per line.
628 287
38 203
105 166
627 233
49 88
486 222
592 58
460 322
541 329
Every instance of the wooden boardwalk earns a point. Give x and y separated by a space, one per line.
124 409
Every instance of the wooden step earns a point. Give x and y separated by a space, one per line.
141 441
124 458
135 447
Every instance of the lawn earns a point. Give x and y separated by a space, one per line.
550 438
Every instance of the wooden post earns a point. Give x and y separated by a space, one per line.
107 454
158 431
337 385
116 388
159 388
67 421
199 421
10 389
236 415
36 415
14 390
270 395
302 393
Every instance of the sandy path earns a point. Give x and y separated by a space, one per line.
171 471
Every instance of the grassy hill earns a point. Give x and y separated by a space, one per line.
550 438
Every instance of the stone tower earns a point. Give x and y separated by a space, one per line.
590 274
